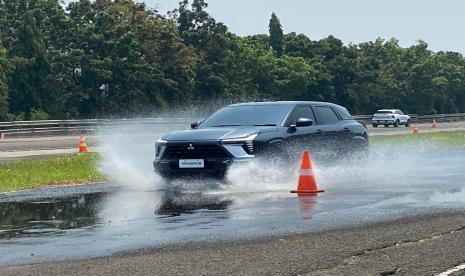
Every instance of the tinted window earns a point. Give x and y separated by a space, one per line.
383 112
325 115
248 115
343 112
300 112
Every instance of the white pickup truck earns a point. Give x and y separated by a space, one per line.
388 117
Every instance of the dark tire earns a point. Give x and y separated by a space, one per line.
407 124
396 123
375 125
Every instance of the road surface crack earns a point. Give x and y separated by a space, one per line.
407 241
354 259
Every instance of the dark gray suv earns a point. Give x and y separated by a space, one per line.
241 132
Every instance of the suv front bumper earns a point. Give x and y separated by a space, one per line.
215 167
217 158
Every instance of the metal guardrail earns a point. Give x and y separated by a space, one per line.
89 125
56 126
454 117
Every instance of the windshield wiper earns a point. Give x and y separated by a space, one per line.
266 125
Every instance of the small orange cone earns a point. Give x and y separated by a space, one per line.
82 144
307 183
2 136
415 129
434 125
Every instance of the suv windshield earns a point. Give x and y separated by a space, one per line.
248 115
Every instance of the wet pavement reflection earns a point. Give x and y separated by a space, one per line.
177 203
49 216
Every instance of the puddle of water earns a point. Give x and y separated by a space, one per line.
51 216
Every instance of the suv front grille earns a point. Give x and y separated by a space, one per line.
198 151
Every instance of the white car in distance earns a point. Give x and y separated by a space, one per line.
389 117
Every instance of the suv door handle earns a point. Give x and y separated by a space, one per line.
346 129
319 131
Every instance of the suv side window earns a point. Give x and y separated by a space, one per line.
343 112
300 112
325 115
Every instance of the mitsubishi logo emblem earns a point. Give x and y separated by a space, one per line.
190 147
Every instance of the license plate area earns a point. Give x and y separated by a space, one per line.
191 163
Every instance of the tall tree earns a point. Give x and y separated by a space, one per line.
3 83
3 68
215 47
31 86
276 35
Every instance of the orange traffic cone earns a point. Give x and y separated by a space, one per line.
2 136
307 183
415 129
82 144
434 125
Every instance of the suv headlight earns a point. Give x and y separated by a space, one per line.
245 142
160 147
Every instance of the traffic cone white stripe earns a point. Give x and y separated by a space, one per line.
306 172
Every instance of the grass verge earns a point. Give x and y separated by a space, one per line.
29 174
441 138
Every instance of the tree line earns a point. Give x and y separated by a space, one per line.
107 58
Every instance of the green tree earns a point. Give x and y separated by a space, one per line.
3 68
3 83
30 83
107 58
298 46
276 35
30 32
215 48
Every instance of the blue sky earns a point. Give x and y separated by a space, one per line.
440 23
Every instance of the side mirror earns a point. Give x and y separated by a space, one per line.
194 125
303 122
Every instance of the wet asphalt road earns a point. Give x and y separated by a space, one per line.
60 224
42 146
422 245
250 225
44 143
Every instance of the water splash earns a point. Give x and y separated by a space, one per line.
128 152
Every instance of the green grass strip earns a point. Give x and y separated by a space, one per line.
442 138
29 174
